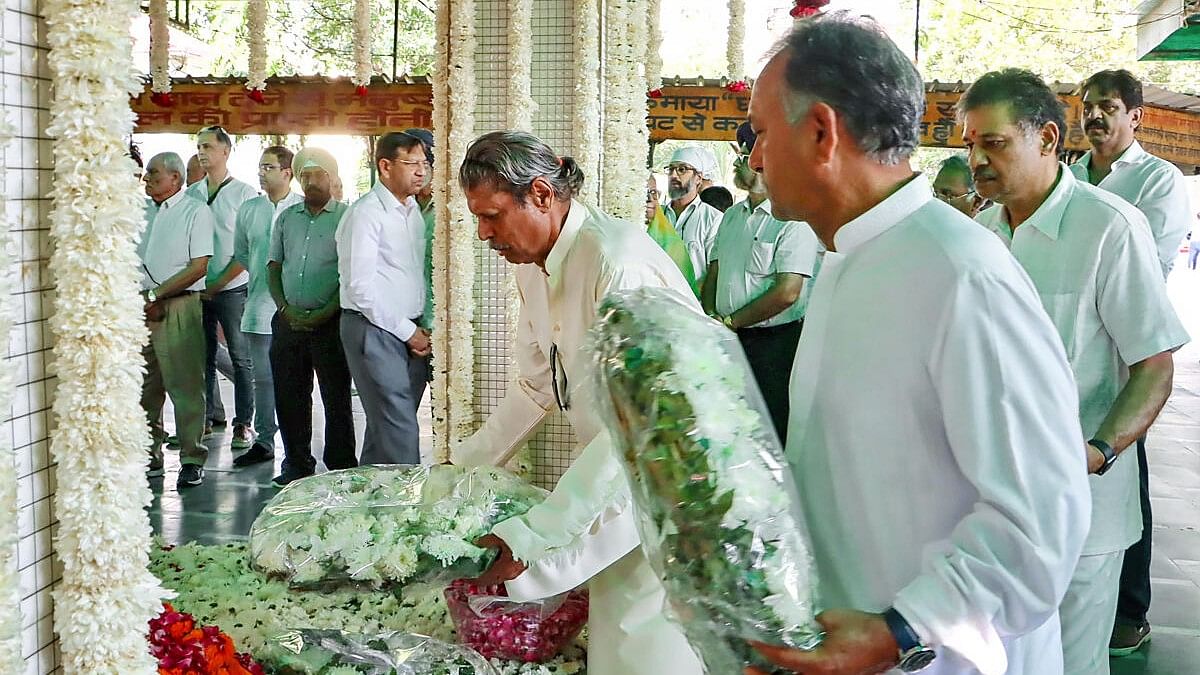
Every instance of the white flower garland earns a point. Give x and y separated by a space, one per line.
653 45
256 28
10 597
106 596
587 96
454 243
625 135
441 253
521 106
160 47
735 51
362 43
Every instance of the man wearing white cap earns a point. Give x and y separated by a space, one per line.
302 272
694 220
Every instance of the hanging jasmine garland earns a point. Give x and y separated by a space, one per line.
106 596
160 64
362 45
521 106
10 597
256 27
587 96
653 57
735 55
441 233
625 136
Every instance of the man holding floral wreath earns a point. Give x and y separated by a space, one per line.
568 257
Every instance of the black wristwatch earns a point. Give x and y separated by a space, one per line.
914 656
1105 449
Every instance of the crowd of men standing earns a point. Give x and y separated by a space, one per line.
277 287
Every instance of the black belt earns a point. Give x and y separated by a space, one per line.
765 331
417 319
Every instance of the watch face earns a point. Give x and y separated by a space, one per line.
917 660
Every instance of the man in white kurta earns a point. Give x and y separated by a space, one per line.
584 532
934 436
1091 257
695 221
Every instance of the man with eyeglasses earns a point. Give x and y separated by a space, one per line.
381 264
251 247
568 256
302 272
758 283
955 185
694 220
224 298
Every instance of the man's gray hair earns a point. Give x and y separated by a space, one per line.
851 65
510 161
170 162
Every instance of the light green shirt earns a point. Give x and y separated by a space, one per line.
305 246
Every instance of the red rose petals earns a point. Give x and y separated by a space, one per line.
514 630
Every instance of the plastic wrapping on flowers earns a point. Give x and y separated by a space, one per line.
392 525
496 627
332 652
718 513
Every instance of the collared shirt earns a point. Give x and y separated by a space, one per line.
225 205
594 255
963 501
306 247
698 226
381 260
1092 259
1157 188
752 247
177 231
429 215
251 247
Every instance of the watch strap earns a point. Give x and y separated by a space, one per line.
906 638
1105 449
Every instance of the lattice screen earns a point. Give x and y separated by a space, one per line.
553 89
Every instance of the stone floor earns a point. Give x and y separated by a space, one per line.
223 508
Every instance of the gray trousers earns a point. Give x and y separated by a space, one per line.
264 388
390 383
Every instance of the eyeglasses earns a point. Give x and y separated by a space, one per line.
563 397
267 168
969 194
414 162
651 195
681 169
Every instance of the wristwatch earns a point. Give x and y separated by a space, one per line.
914 656
151 296
1105 449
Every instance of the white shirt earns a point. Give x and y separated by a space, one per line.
1157 188
176 232
587 524
1092 259
697 225
381 261
251 248
752 247
935 441
224 206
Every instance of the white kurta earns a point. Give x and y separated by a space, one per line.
1157 189
935 441
585 531
1092 259
697 225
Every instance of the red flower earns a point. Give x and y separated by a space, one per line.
361 90
256 95
807 8
162 98
737 87
655 93
184 649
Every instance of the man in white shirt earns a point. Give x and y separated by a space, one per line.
568 256
381 266
251 248
428 214
1091 257
934 433
174 252
1112 112
757 282
694 220
224 297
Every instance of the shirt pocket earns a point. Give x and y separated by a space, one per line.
761 261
